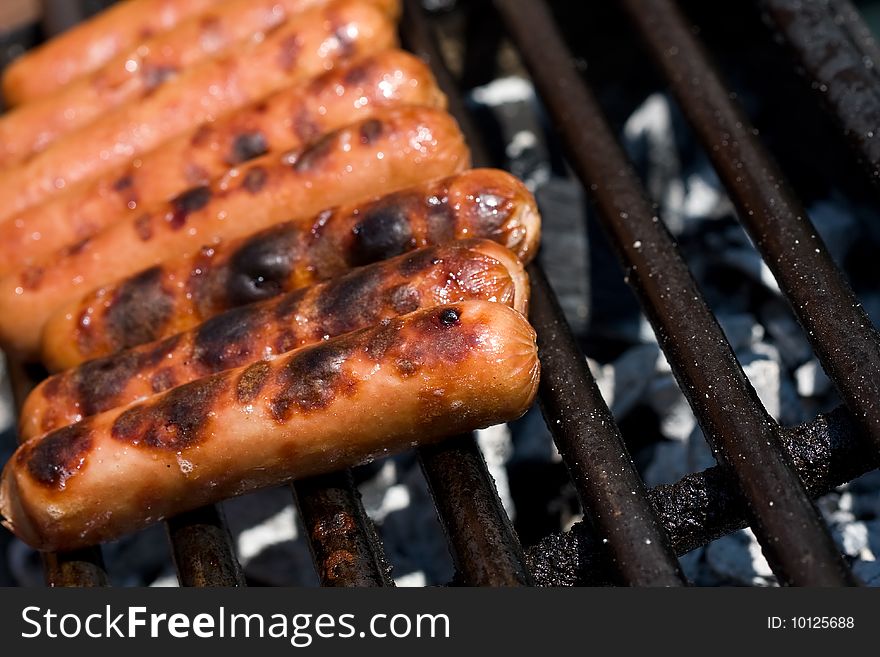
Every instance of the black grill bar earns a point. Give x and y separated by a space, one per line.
701 507
842 335
475 523
840 57
343 542
202 549
743 436
607 483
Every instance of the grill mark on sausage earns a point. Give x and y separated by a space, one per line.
370 131
192 200
140 309
226 340
176 421
440 220
357 75
304 127
289 51
312 379
154 76
384 232
32 276
202 135
58 456
255 179
260 267
98 382
350 301
143 226
162 380
247 146
312 157
252 381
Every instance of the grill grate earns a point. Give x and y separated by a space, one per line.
767 475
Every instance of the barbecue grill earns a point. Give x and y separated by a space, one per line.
767 475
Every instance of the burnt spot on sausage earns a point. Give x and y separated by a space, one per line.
176 421
312 157
140 309
162 380
255 179
385 337
440 220
289 305
289 51
349 302
357 75
153 76
58 456
370 131
384 232
226 340
77 247
247 146
252 381
405 299
449 317
304 127
152 356
311 380
99 382
143 226
192 200
259 269
31 277
123 182
417 262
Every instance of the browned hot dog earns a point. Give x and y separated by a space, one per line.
396 148
183 292
407 381
455 272
89 45
306 45
288 119
136 74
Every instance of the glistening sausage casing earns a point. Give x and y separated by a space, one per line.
406 381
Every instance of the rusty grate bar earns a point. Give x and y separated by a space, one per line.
840 57
472 516
343 542
576 415
701 507
83 568
201 547
744 437
840 332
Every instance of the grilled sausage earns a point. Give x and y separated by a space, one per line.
183 292
406 381
91 44
307 44
396 148
289 119
134 75
460 271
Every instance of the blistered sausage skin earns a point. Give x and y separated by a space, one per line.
306 45
455 272
134 75
91 44
183 292
396 148
289 119
406 381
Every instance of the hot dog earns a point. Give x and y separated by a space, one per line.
407 381
134 75
91 44
306 45
456 272
288 119
396 148
183 292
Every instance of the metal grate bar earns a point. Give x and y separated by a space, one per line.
699 508
842 335
82 568
576 414
839 55
489 551
472 516
344 545
743 436
202 549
